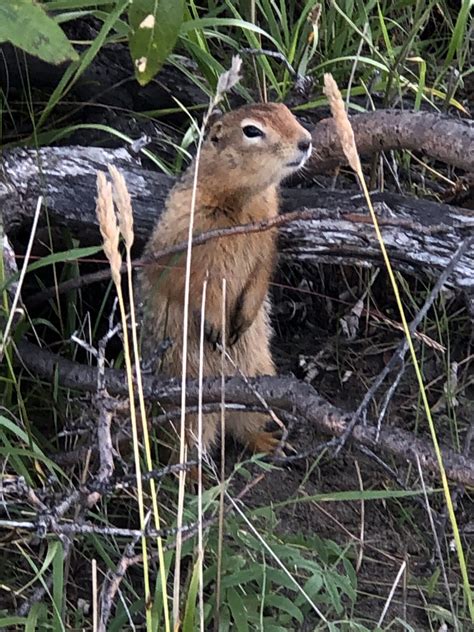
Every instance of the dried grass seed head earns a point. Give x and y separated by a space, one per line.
341 121
229 79
123 204
108 225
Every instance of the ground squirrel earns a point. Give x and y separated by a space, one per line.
246 154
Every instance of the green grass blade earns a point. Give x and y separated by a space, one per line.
76 69
460 31
57 257
190 609
58 586
202 23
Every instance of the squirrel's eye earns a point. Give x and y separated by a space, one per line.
252 131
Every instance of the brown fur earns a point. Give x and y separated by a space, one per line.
237 183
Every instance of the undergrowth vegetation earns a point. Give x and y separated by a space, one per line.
322 543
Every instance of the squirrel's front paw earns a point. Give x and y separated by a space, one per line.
237 327
212 334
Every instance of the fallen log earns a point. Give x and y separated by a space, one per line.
281 393
436 135
421 236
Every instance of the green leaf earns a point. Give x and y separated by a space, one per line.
61 5
159 604
280 578
5 622
57 257
58 586
155 28
460 30
36 617
75 70
243 577
238 610
202 23
311 587
224 619
333 593
26 25
281 602
270 627
11 426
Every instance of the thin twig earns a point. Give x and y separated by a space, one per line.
303 83
48 525
219 233
402 349
203 238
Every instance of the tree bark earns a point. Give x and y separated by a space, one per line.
421 236
436 135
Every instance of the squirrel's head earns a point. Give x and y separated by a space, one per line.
261 143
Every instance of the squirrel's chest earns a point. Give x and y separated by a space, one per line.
238 254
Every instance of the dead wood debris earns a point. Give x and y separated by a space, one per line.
439 136
281 393
398 358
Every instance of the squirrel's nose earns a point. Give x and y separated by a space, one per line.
304 145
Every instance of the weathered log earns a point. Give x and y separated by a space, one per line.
421 235
436 135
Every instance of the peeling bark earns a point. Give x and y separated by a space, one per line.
421 236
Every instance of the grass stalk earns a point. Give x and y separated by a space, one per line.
346 137
200 455
220 535
226 81
125 217
16 298
110 236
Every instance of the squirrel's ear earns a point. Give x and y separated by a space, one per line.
214 126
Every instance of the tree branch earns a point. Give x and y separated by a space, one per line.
298 398
439 136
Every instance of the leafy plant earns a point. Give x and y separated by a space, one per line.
26 24
154 31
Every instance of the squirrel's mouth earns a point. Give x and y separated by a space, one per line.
297 164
